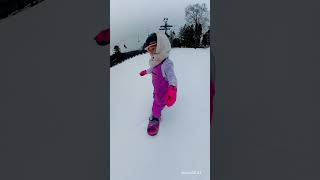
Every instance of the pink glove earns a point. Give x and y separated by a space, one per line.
142 73
171 95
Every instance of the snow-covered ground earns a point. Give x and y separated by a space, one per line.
181 150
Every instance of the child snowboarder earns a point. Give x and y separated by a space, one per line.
163 78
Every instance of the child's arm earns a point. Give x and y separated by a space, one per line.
170 75
144 72
149 70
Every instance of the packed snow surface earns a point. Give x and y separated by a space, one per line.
181 150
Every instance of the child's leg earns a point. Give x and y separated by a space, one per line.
158 105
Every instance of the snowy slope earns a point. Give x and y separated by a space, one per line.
182 145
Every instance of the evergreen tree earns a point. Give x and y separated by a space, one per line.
206 39
187 36
116 50
176 42
197 34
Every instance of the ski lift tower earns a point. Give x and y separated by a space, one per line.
165 27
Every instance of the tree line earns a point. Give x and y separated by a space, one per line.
193 33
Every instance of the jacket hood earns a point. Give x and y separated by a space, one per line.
162 51
163 43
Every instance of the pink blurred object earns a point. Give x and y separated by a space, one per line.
103 38
142 73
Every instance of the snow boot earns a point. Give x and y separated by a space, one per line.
153 126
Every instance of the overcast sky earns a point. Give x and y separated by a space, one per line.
131 19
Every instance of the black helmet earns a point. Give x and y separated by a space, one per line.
151 39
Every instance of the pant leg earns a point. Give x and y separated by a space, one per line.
158 105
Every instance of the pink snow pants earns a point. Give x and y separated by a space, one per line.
160 85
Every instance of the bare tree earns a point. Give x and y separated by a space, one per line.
197 14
